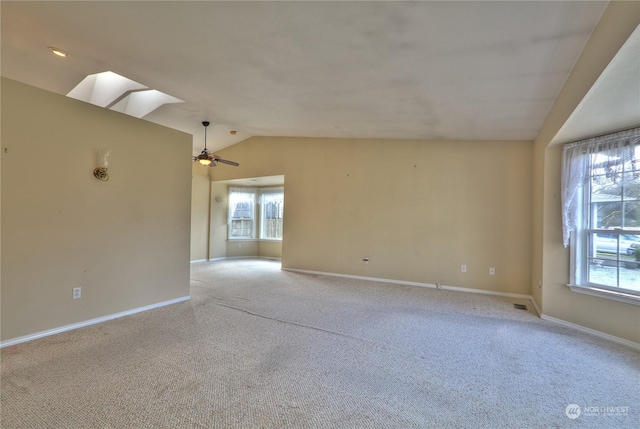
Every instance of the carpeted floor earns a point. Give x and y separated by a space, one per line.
258 347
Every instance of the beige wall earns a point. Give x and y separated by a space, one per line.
537 229
270 249
200 212
125 242
550 260
218 221
242 249
253 248
417 209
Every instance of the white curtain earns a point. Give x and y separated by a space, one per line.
241 201
611 154
272 195
272 212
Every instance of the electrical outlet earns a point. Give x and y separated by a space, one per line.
492 271
463 268
77 292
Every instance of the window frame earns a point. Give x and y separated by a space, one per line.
232 209
257 213
581 242
262 195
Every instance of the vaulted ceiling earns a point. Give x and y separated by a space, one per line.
421 70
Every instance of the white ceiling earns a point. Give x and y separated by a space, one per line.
420 70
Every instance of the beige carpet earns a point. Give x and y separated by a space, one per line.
258 347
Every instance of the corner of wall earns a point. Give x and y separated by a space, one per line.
550 261
200 212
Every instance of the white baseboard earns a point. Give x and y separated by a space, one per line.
429 285
240 257
487 292
603 335
270 258
631 344
197 261
533 302
85 323
244 257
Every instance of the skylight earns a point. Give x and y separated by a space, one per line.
116 92
141 103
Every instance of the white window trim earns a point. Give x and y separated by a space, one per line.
578 259
261 212
605 293
253 237
257 219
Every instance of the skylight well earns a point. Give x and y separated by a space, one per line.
113 91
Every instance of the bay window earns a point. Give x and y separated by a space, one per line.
256 209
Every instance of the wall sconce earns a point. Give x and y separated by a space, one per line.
218 199
102 162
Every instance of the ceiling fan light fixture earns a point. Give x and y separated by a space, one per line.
206 158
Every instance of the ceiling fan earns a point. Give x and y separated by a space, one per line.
207 158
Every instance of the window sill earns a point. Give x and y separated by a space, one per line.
607 294
255 239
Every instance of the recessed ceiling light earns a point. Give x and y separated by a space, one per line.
233 132
58 52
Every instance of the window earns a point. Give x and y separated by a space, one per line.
242 213
601 212
271 213
245 203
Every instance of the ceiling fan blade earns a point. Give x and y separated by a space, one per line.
224 161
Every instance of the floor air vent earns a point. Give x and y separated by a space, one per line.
520 306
